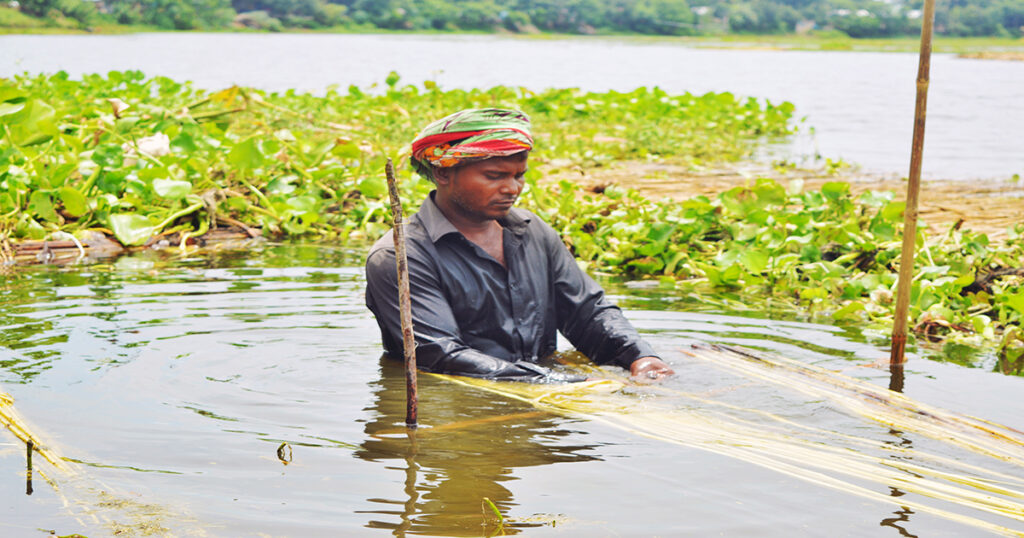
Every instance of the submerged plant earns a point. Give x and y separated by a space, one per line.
488 506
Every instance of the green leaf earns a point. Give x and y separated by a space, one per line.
373 187
876 198
1015 301
660 231
893 211
347 150
744 231
811 294
833 190
41 203
74 201
55 175
849 311
303 204
6 109
799 239
246 155
651 249
33 124
732 274
108 156
647 265
124 125
131 228
980 323
965 279
184 143
769 192
171 189
754 260
11 93
282 185
28 227
614 192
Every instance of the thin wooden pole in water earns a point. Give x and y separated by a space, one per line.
899 329
404 299
28 471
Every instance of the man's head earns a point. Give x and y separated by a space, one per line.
481 191
470 136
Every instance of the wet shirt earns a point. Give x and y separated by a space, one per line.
472 316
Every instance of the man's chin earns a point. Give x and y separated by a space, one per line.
501 210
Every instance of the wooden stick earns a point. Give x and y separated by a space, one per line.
899 329
404 300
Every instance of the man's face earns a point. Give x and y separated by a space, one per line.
484 190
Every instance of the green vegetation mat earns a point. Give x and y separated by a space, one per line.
142 158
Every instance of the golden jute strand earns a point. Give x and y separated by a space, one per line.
876 403
971 486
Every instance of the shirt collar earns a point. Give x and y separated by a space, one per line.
437 225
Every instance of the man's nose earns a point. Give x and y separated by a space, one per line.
511 186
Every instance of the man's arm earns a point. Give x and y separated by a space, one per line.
594 325
439 347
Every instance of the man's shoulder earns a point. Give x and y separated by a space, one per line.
530 224
386 243
415 239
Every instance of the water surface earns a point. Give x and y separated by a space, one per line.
171 381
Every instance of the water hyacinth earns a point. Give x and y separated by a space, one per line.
156 145
166 160
291 163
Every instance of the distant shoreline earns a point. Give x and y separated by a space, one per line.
1002 48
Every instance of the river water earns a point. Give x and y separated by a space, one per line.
243 393
859 104
169 382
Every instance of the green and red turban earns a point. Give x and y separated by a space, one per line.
470 135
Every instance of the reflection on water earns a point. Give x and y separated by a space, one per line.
173 382
462 455
902 516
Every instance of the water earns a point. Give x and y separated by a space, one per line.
860 104
173 380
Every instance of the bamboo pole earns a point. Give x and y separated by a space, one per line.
404 300
899 329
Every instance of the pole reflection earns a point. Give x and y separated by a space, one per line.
903 514
468 447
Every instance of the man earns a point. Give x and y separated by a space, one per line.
491 283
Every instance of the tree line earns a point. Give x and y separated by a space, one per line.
855 18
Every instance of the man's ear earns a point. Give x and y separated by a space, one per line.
443 176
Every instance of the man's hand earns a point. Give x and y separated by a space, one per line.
649 369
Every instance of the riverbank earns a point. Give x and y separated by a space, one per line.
13 23
990 207
994 55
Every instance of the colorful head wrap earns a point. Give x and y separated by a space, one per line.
470 135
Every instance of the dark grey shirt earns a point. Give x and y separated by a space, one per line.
473 317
